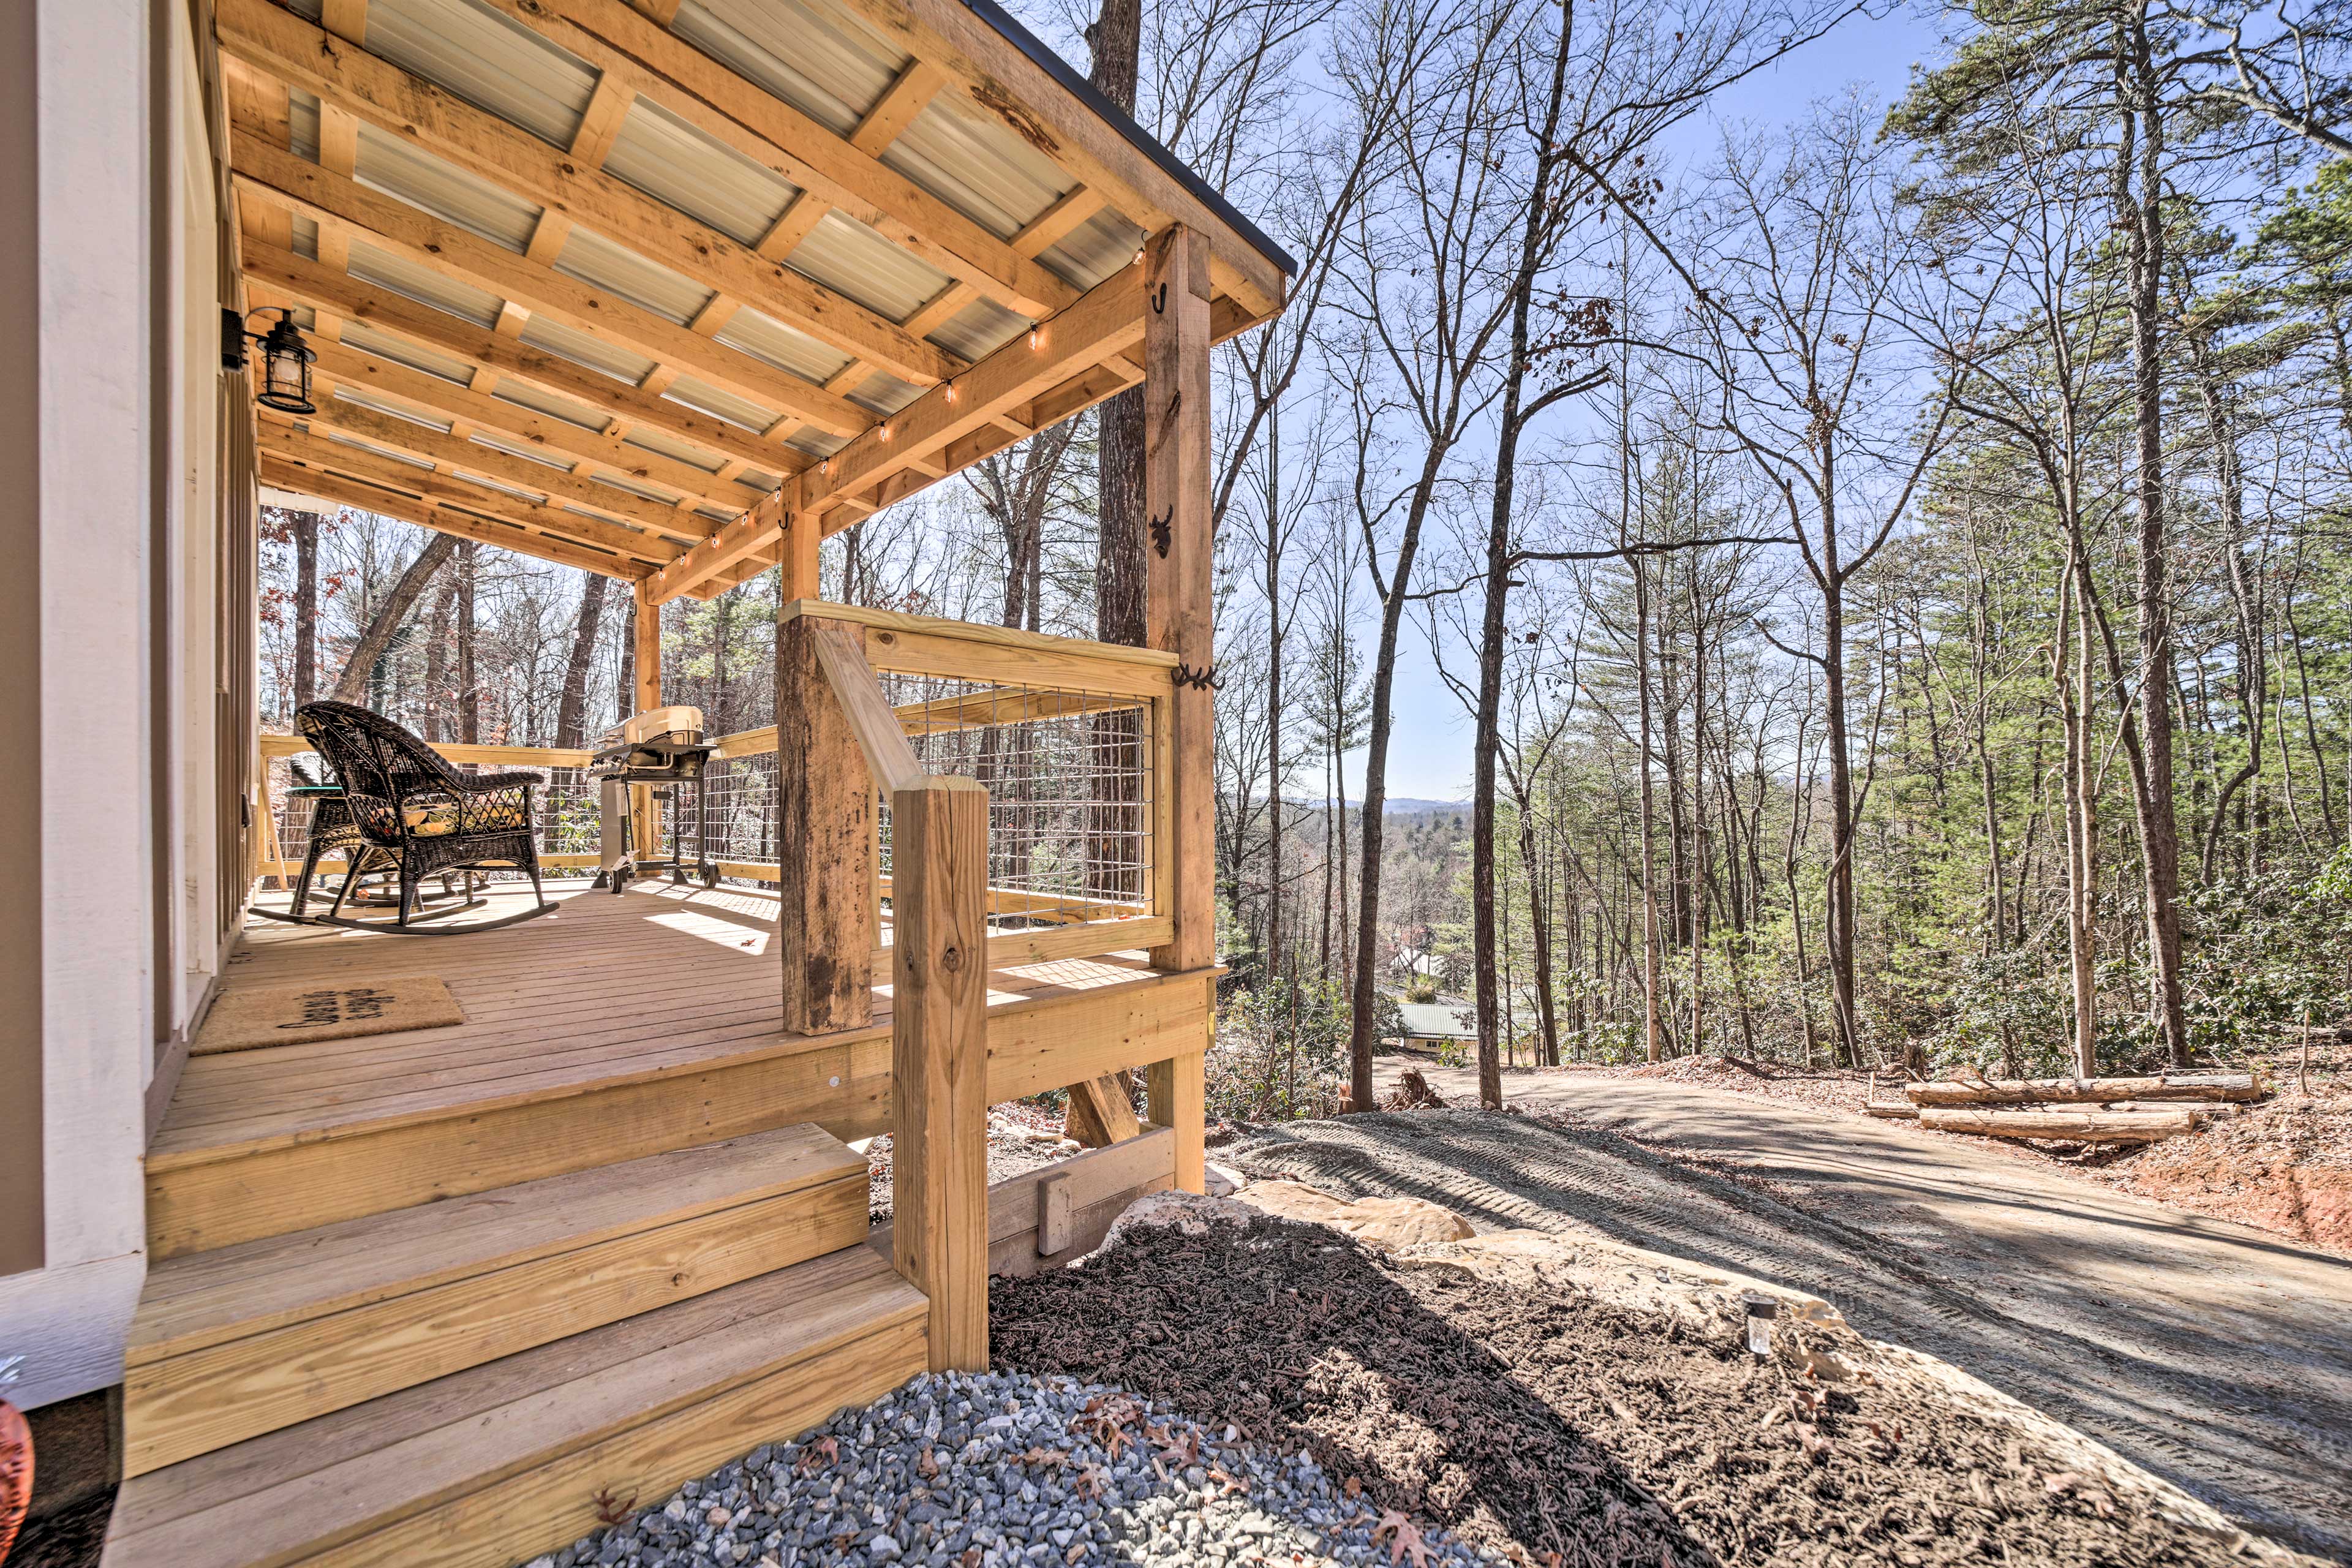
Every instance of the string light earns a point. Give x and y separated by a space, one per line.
952 392
885 432
1037 336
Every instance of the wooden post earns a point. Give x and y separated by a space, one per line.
1179 608
1179 1091
647 656
1181 621
939 1061
824 822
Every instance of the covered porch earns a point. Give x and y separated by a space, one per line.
670 292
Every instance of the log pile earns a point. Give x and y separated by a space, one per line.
2074 1110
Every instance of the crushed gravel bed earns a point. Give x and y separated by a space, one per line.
1005 1468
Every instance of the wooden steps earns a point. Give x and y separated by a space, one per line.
250 1338
485 1468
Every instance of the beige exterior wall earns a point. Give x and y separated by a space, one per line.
125 615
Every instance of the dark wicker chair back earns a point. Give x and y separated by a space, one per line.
381 766
416 814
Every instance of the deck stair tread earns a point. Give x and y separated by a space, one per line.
201 1298
242 1339
497 1462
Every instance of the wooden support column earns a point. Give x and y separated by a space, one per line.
939 1061
826 821
647 656
1178 562
1180 620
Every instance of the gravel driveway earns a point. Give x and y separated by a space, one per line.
2216 1356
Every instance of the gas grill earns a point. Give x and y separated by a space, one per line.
661 748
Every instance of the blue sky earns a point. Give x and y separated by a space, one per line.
1429 756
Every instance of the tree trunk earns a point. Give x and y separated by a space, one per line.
306 606
1116 39
2159 830
469 692
572 711
390 612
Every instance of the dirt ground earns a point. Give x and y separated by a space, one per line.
2218 1357
1561 1430
2284 1165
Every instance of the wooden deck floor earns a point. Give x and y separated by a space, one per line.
660 980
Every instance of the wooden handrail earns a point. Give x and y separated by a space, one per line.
965 650
872 720
274 746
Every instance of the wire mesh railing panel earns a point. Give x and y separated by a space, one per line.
1069 778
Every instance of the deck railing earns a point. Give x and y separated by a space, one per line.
1069 739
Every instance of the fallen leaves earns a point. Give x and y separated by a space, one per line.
1404 1539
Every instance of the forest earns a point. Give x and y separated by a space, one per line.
1885 552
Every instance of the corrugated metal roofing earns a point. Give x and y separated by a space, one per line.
976 167
822 62
816 54
765 338
487 60
676 163
371 264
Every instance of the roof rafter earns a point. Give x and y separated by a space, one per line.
321 287
1006 84
666 69
1103 324
287 474
442 486
443 449
568 184
269 174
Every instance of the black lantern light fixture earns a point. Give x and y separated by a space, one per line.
284 359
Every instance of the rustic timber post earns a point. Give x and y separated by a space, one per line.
938 1059
646 655
1180 620
826 920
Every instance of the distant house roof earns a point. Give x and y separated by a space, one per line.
1438 1021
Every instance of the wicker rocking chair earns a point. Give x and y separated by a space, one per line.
404 809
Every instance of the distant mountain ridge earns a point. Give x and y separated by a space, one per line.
1396 805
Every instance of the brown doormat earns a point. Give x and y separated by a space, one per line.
249 1018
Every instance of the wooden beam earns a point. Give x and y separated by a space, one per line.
646 664
443 488
324 288
1177 1089
443 449
1005 85
896 110
506 535
569 185
308 190
342 366
939 1061
666 69
1178 576
826 913
881 738
600 122
1101 1112
1107 320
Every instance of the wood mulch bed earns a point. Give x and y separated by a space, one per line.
1556 1428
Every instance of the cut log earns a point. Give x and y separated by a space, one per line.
2087 1090
2073 1126
1891 1111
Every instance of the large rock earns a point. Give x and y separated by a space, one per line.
1391 1223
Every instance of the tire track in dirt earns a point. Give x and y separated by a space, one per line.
2281 1470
